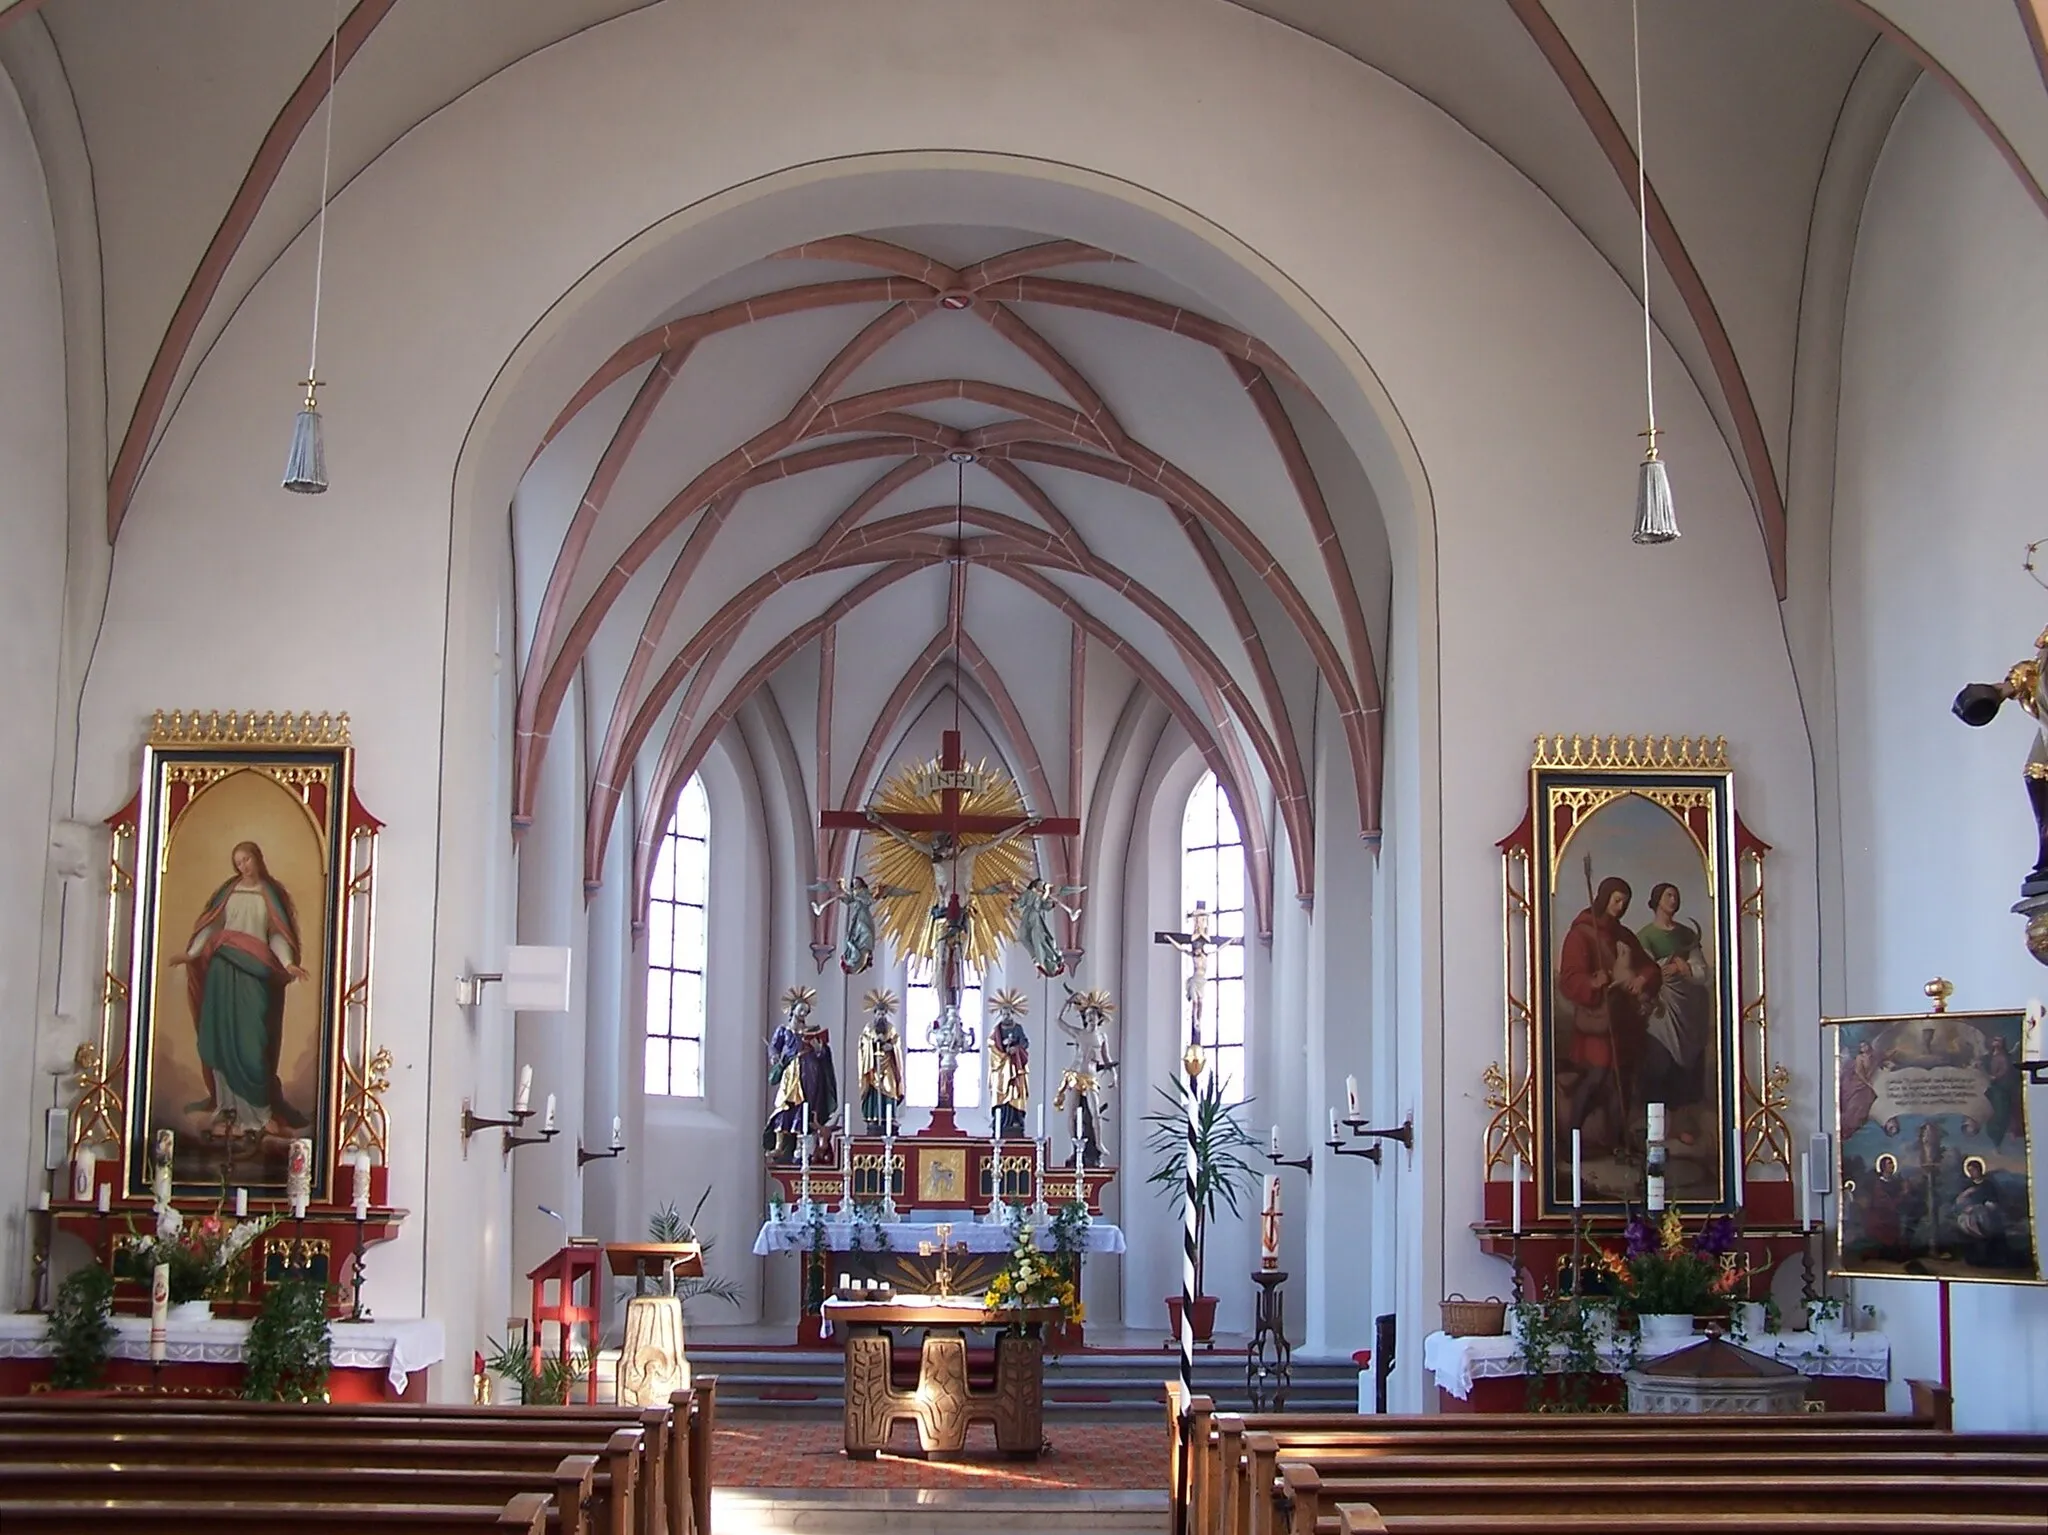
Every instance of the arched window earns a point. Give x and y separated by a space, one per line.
1212 872
676 949
921 1061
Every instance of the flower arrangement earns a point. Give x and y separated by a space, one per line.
207 1257
1659 1272
1034 1278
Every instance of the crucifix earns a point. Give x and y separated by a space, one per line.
945 826
944 1250
1197 943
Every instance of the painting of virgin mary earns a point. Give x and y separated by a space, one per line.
244 951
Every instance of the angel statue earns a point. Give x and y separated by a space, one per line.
857 948
1083 1083
1009 1064
1034 902
881 1064
803 1080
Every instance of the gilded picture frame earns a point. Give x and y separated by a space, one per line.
1932 1168
237 989
1632 911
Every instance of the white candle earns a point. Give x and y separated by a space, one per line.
889 1119
525 1093
83 1168
1805 1191
160 1184
1040 1126
1656 1125
1351 1097
548 1119
1333 1127
1269 1228
1653 1193
298 1176
1515 1184
1738 1174
103 1200
618 1137
361 1189
1273 1193
159 1311
1273 1142
42 1199
803 1153
241 1204
1578 1190
2032 1044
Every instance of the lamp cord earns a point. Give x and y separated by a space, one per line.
326 165
1643 220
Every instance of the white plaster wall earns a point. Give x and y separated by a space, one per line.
33 430
1471 297
1942 460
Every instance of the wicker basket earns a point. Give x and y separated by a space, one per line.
1475 1318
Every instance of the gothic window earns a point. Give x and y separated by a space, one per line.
1212 872
676 948
921 1061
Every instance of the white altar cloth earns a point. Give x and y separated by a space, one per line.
1457 1362
397 1348
903 1236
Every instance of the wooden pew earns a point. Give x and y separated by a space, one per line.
579 1506
672 1486
1559 1501
524 1514
1363 1519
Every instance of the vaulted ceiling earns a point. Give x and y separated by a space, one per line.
823 464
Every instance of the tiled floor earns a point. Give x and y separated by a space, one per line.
1121 1456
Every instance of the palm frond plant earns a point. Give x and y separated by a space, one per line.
1223 1176
668 1224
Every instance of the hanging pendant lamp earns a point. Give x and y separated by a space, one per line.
305 468
1656 522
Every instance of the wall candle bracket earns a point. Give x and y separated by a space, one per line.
473 1122
1370 1152
583 1156
512 1139
1307 1164
1403 1132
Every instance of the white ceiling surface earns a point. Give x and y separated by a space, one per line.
175 100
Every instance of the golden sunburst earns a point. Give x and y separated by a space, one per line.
988 867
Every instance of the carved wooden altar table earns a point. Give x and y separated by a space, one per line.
944 1401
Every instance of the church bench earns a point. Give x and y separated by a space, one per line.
674 1483
585 1500
1311 1500
1364 1519
525 1513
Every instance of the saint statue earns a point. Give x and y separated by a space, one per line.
2026 684
1009 1064
881 1064
803 1081
1094 1069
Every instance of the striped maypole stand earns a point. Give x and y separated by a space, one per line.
1189 1215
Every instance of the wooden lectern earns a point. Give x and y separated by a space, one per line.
569 1309
642 1261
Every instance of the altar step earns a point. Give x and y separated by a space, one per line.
756 1382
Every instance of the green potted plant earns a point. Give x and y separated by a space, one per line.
290 1349
1223 1177
668 1225
79 1331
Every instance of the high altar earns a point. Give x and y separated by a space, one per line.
947 881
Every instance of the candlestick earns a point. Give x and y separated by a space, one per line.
618 1138
1351 1097
103 1199
1515 1183
241 1204
524 1097
1805 1191
1578 1191
547 1121
83 1175
159 1311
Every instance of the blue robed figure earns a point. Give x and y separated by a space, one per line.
244 951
